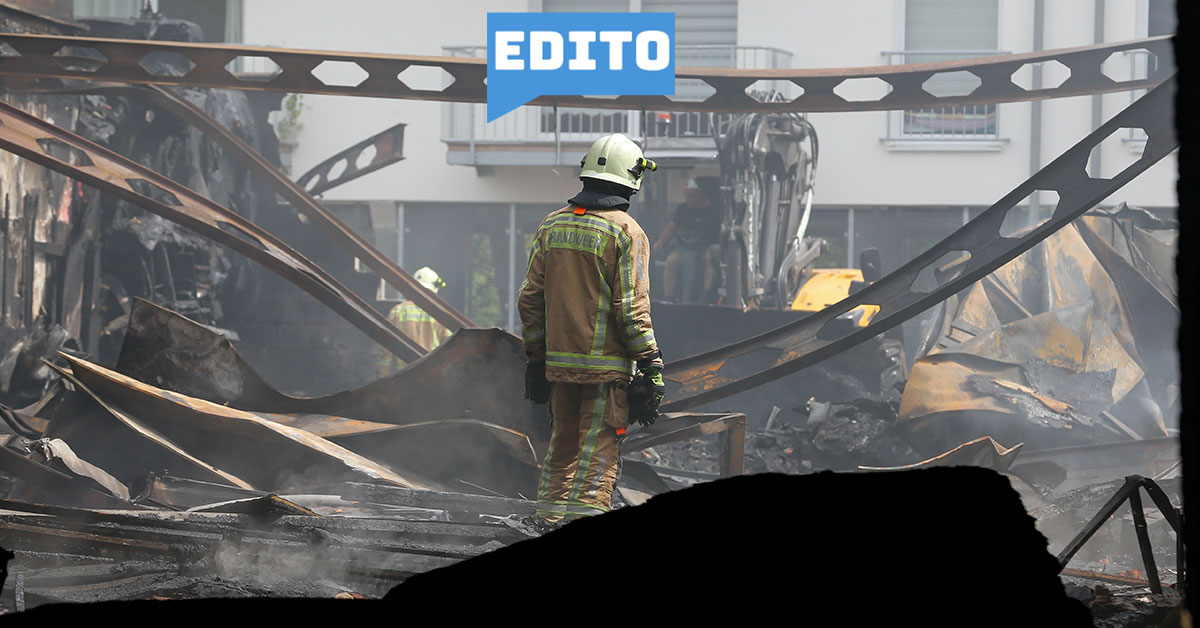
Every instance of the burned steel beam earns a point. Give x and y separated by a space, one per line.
80 58
94 165
19 467
432 532
1129 492
758 360
437 500
388 145
293 193
191 464
673 427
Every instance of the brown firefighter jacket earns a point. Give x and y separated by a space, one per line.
585 301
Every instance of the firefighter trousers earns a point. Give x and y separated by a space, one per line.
584 457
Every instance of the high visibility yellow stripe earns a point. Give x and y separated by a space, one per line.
589 448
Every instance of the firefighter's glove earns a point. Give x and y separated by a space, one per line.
537 387
646 392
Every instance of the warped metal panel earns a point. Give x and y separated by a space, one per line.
181 460
476 374
69 154
766 357
287 457
90 58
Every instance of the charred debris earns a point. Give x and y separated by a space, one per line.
144 457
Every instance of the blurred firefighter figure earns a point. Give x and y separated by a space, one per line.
585 317
415 323
695 232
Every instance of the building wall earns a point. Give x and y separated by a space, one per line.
817 34
904 195
858 167
332 123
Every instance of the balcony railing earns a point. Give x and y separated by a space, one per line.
967 122
465 129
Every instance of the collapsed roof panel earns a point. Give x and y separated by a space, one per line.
268 453
181 355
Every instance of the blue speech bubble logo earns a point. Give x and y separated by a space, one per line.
577 54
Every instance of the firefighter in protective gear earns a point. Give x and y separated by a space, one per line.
585 317
415 323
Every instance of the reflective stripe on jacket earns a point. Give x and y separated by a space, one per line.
585 301
416 324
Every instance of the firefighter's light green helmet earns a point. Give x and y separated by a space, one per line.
618 159
428 278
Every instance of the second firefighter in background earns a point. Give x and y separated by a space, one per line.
585 316
414 323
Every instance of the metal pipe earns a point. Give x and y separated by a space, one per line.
1035 114
512 267
1097 100
850 238
400 234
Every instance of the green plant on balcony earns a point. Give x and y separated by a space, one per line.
289 125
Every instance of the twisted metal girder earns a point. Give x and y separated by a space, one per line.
98 59
293 193
75 157
743 365
388 145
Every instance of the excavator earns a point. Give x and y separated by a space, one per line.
767 274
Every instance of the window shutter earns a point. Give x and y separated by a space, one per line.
585 6
951 24
107 8
699 22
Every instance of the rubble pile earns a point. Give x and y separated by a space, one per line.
255 547
822 436
1113 608
1114 548
1070 344
180 473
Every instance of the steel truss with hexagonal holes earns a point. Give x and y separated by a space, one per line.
709 376
384 76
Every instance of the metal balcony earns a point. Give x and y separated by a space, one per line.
534 136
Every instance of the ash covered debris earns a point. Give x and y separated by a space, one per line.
1053 352
820 436
248 504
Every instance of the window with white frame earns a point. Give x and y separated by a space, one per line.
947 30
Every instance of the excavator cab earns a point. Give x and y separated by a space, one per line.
765 271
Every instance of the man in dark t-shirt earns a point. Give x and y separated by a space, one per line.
695 228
